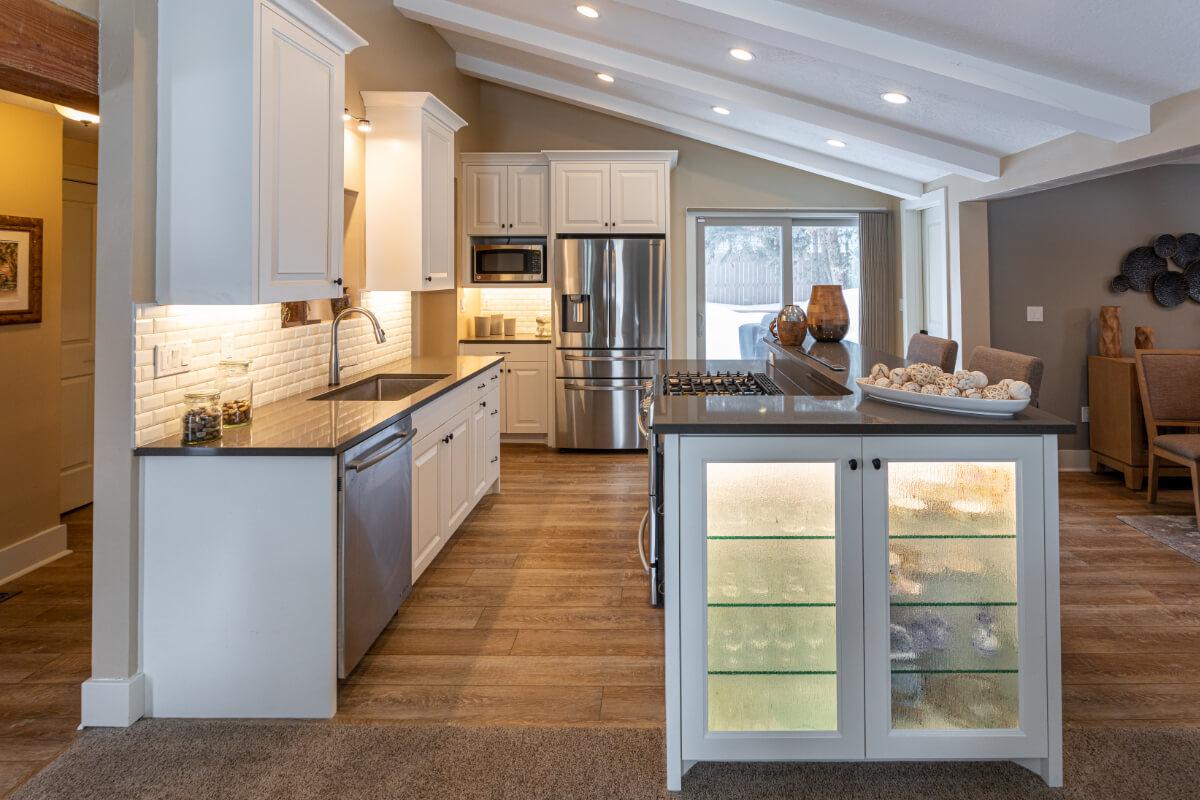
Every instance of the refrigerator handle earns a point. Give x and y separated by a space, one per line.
611 268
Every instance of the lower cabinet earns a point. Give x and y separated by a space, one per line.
847 597
454 464
528 403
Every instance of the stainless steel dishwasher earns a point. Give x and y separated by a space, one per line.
375 541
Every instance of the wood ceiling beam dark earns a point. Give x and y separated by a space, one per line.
49 52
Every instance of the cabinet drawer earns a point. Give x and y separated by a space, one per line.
511 352
428 418
494 413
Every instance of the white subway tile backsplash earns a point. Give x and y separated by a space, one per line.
284 362
524 304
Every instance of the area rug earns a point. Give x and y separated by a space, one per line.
1176 532
220 760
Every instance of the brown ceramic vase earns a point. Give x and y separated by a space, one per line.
828 316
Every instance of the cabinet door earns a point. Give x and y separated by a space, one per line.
527 408
301 87
437 214
426 501
581 197
480 421
528 200
770 599
457 488
487 199
639 198
955 592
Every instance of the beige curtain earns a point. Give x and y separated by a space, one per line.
879 296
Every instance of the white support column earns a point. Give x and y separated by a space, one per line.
115 696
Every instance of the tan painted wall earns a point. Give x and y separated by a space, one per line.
706 177
1060 248
31 186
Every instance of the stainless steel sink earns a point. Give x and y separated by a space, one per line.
382 387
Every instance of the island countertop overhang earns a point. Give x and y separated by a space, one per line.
810 415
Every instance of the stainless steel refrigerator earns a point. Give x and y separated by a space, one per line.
610 331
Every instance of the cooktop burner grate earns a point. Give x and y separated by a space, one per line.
696 384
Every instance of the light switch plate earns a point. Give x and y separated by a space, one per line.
1084 412
172 359
227 345
1033 314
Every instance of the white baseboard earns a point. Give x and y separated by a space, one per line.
1074 460
113 702
29 554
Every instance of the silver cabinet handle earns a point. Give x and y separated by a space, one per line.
392 445
610 358
641 541
581 388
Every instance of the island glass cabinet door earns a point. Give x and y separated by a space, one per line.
771 627
954 591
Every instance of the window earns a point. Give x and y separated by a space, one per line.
743 281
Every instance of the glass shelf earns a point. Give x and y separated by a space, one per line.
929 571
772 640
771 571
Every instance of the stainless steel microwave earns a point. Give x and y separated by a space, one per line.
508 262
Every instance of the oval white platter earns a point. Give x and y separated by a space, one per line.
937 402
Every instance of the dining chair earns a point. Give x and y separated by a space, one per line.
1169 381
926 349
1001 364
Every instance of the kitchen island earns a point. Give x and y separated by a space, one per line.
273 556
851 580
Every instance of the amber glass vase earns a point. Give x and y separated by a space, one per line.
828 316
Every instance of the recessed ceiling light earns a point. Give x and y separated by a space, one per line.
896 98
722 110
835 143
604 76
587 11
741 54
75 115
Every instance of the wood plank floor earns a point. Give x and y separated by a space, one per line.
536 613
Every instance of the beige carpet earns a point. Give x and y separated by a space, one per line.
298 761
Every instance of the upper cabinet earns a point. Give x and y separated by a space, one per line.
410 191
250 148
601 193
507 199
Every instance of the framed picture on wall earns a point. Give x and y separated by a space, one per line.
20 270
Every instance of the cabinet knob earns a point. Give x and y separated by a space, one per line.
446 439
429 279
876 463
495 459
338 281
854 463
483 403
451 435
495 411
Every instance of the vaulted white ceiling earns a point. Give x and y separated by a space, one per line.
986 79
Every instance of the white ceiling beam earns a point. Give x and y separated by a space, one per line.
701 130
976 80
822 121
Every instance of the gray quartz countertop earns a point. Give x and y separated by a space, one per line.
521 338
300 425
834 406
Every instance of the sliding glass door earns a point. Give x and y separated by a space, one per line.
748 268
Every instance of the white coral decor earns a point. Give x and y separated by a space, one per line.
879 371
1020 390
930 388
911 386
963 380
924 374
978 379
950 391
899 376
884 382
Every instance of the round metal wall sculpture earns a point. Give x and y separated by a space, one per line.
1148 269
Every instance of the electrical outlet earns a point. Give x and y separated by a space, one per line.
172 359
1033 314
227 345
1083 414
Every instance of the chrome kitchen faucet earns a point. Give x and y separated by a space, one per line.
335 370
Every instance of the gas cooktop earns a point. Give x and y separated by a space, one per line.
727 382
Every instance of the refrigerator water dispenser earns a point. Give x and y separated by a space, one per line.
576 313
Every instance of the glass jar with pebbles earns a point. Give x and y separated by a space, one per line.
237 392
201 417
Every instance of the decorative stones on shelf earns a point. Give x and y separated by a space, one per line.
1148 269
1109 345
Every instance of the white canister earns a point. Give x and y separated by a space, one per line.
497 326
510 326
483 326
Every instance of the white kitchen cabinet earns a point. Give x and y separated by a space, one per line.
527 407
410 190
506 199
485 443
427 525
457 470
861 597
582 192
250 140
638 197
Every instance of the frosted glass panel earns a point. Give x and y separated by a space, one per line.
771 571
787 639
952 498
772 589
952 586
782 499
952 570
772 703
954 701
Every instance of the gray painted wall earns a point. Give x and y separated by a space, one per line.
1059 249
